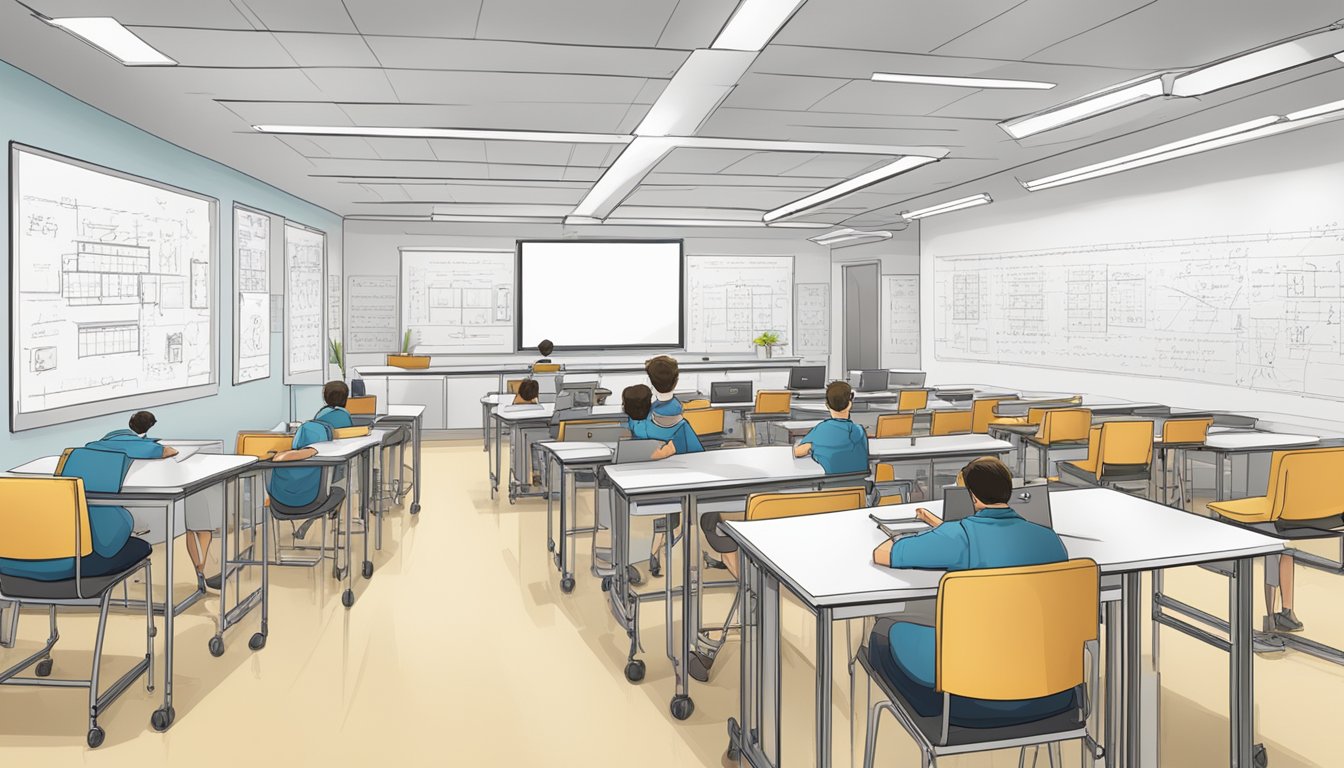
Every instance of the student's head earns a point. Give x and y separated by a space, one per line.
545 347
839 396
335 393
636 401
988 480
142 421
528 390
663 373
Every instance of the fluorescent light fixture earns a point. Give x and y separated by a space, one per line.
962 82
847 234
450 217
621 178
647 222
1260 62
1248 131
702 82
955 205
1080 109
754 23
907 163
445 133
109 36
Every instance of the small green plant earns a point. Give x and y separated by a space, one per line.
337 355
766 339
406 342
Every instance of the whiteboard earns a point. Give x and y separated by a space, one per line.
900 320
812 321
305 342
731 300
373 314
335 308
252 277
1260 312
457 301
112 281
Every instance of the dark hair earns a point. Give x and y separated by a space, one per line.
141 421
988 479
637 401
663 372
839 395
528 389
545 347
335 393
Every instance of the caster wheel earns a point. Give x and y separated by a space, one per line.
567 585
734 751
1259 757
43 668
368 569
154 631
257 642
550 546
216 646
606 583
347 598
162 719
682 707
634 670
415 509
95 737
635 578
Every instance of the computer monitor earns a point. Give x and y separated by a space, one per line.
905 379
1030 502
874 380
807 377
730 392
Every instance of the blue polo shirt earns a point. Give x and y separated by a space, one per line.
683 438
127 442
991 538
838 445
666 413
334 417
299 486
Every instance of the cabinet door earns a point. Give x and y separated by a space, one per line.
426 391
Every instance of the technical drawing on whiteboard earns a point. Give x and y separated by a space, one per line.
305 305
1254 311
812 327
252 320
373 314
733 299
458 301
103 268
900 317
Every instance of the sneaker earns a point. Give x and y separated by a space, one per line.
214 582
715 564
1286 621
698 666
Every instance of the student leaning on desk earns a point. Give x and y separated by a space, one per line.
903 645
837 444
678 437
335 394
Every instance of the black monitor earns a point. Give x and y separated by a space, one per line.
730 392
873 381
807 377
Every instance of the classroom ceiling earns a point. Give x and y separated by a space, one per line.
802 116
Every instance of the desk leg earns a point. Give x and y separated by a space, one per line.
368 504
551 462
163 717
1241 683
770 668
568 502
1219 465
824 687
1133 673
1113 685
485 425
682 706
495 469
415 453
347 574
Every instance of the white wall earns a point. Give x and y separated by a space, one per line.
1286 183
898 256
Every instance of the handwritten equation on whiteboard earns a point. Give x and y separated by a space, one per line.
812 318
373 314
305 252
900 314
1261 312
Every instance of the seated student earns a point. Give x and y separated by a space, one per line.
663 375
837 444
994 537
637 402
298 486
335 394
545 348
528 392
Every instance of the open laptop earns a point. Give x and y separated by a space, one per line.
1030 502
629 450
807 377
730 392
874 380
905 379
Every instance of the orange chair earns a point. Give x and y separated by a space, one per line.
1117 452
884 480
950 422
545 367
982 413
770 406
895 425
1060 428
366 405
693 405
912 400
1179 436
707 423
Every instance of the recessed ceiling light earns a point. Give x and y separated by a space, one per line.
754 23
907 163
962 82
109 36
1260 62
446 133
1080 109
955 205
847 235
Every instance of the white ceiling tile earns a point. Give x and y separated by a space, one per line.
510 56
533 193
314 49
217 48
401 149
429 18
301 15
695 24
458 150
837 165
595 22
582 118
528 152
793 93
432 87
287 113
716 196
867 97
694 160
883 25
156 12
1026 28
331 146
342 84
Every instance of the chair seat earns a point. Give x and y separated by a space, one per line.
1080 443
319 507
1077 471
97 575
753 416
1256 509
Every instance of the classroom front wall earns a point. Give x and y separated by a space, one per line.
36 114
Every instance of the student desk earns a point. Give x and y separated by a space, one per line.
1224 444
519 418
826 561
488 403
879 396
414 415
690 479
568 458
168 483
960 392
932 449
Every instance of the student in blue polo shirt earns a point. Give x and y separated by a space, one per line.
335 394
637 402
903 646
135 442
837 444
297 486
664 373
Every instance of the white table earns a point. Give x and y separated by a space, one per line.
519 418
168 483
826 561
690 479
415 416
567 458
932 449
1224 444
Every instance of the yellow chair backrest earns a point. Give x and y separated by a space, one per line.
768 506
1304 485
1093 461
40 518
341 433
366 405
1192 431
891 498
1039 616
705 421
912 400
692 405
884 473
1126 442
982 412
582 424
773 402
512 385
1061 424
895 425
950 422
545 367
260 444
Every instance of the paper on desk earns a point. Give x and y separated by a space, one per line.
185 451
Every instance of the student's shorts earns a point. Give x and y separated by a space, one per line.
205 510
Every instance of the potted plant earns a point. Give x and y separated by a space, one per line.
406 359
766 343
336 355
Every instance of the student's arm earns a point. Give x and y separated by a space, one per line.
168 452
802 449
295 454
666 449
937 549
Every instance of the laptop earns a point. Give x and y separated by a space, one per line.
730 392
598 433
807 377
628 451
905 379
873 381
1030 502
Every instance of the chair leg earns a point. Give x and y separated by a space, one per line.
98 658
1056 755
149 627
870 738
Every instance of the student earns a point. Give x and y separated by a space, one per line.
663 374
837 444
637 402
335 394
994 537
296 487
545 348
528 392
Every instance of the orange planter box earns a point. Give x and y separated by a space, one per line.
408 361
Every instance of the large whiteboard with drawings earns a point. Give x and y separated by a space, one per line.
900 320
457 300
812 319
305 304
112 281
252 232
373 314
1263 312
731 300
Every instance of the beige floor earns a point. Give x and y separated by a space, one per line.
462 651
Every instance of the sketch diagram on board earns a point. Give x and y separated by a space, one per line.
373 314
458 301
812 326
900 319
733 299
1254 311
305 301
112 285
252 319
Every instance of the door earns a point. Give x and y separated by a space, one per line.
862 343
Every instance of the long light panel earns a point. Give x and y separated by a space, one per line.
849 186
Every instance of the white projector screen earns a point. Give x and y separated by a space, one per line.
600 294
